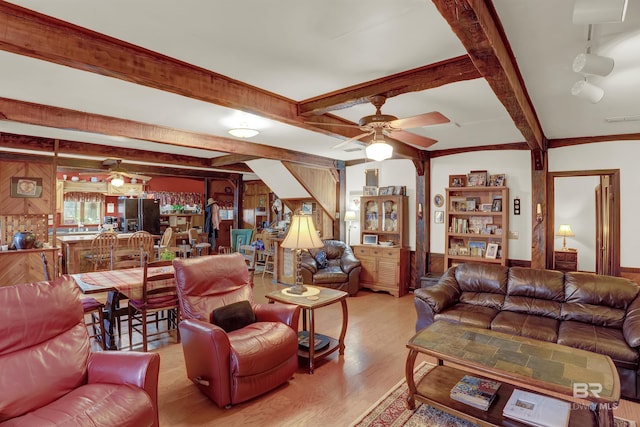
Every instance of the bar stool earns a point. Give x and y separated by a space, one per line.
95 327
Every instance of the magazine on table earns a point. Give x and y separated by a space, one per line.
476 392
537 410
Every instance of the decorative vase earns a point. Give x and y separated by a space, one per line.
24 240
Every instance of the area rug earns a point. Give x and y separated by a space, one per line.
391 410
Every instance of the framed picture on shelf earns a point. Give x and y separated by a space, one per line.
369 239
369 190
496 206
477 179
497 180
477 248
457 180
492 250
485 207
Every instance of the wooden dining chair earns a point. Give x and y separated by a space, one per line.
199 248
101 253
158 296
165 243
140 244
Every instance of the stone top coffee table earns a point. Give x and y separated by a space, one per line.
541 367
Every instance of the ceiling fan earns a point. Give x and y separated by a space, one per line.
380 124
116 175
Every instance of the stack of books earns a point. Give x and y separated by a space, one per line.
476 392
537 410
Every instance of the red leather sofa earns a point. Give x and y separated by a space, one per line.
582 310
48 374
232 367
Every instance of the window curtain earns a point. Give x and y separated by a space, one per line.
76 196
178 198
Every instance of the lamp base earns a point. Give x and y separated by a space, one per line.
297 289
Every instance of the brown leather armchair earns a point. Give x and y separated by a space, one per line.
341 272
235 366
48 374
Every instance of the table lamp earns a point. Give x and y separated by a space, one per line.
564 230
302 234
349 217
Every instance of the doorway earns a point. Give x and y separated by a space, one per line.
597 218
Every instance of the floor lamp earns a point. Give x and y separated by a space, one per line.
349 217
302 235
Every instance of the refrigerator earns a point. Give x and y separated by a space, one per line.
139 215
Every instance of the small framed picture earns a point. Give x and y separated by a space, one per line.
307 208
438 217
24 186
477 248
438 200
369 239
496 206
369 190
477 179
492 251
382 191
485 207
497 180
457 180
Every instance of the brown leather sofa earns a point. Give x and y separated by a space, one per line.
48 374
581 310
235 366
342 271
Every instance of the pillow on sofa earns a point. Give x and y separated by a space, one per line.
233 316
321 259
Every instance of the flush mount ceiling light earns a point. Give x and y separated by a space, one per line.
589 63
599 11
379 149
243 132
117 180
585 90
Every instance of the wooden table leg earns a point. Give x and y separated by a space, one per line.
409 368
312 341
110 317
345 320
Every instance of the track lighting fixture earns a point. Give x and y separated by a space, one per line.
589 63
585 90
599 11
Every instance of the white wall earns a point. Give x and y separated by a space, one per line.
621 155
390 172
515 164
575 205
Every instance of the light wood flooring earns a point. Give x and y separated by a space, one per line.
341 388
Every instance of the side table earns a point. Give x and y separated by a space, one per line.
310 301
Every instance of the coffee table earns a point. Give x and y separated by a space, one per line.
313 299
540 367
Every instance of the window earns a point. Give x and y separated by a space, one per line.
85 208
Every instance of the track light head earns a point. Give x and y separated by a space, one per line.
585 90
589 63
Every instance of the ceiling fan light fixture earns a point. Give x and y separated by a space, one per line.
379 150
117 180
585 90
599 11
243 132
589 63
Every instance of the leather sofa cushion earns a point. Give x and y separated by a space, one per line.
482 278
631 325
485 299
257 348
598 339
526 325
95 405
473 315
331 274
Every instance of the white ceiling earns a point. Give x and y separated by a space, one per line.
300 49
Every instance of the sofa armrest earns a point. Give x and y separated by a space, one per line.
133 367
434 299
307 262
631 325
285 313
207 356
348 262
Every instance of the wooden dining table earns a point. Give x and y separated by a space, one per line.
119 285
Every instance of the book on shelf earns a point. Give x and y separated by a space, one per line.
476 392
537 410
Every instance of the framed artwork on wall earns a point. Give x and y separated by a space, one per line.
24 186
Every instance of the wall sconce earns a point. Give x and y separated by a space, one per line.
419 210
539 212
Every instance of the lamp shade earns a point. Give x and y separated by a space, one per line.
588 63
599 11
379 151
117 180
585 90
302 234
350 216
565 230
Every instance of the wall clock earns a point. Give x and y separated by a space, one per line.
438 200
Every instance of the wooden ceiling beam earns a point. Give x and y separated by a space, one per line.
232 159
39 36
476 24
62 118
427 77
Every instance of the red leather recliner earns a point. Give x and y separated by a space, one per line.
48 374
237 366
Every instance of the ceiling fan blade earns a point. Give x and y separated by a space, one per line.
332 124
426 119
347 141
136 176
412 138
